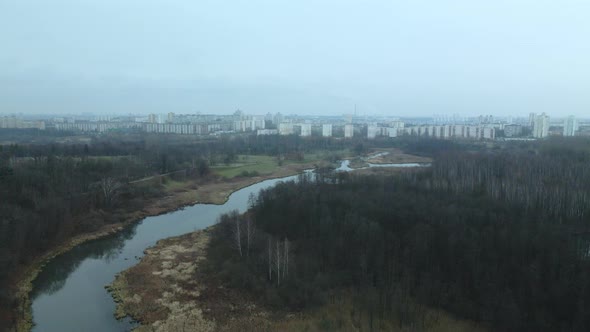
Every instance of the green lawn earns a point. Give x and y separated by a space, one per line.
260 164
266 164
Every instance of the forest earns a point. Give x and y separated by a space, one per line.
54 187
499 236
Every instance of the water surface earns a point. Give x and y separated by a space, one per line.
69 294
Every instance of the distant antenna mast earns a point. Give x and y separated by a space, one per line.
355 110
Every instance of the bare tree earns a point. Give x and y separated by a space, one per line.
250 233
278 263
269 259
237 233
286 258
278 259
109 189
251 200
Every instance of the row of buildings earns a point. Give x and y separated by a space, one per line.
18 123
484 127
540 125
189 124
306 129
442 131
393 129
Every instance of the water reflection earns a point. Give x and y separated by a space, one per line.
54 275
69 292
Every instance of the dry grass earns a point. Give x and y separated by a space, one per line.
341 315
166 292
160 291
169 291
396 156
181 193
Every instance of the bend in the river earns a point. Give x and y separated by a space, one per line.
69 294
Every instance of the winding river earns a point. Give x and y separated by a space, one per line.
69 294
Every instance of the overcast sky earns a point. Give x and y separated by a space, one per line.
412 57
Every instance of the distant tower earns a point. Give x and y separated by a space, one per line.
532 117
305 129
372 131
570 126
541 126
348 130
327 130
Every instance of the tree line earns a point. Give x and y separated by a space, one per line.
500 237
52 188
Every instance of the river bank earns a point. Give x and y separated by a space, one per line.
180 195
171 289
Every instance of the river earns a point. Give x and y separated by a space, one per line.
69 293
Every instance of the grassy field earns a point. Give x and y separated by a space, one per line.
264 165
261 164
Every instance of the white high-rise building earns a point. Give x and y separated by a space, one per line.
397 124
392 132
348 131
541 126
152 118
472 132
170 118
327 130
372 131
570 126
286 129
446 131
532 117
488 133
305 129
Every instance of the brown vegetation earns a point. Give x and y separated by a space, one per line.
168 290
171 289
396 156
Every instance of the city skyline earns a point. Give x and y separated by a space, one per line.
537 126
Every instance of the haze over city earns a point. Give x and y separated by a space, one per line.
414 58
272 165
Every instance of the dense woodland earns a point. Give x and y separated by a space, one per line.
54 186
498 236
